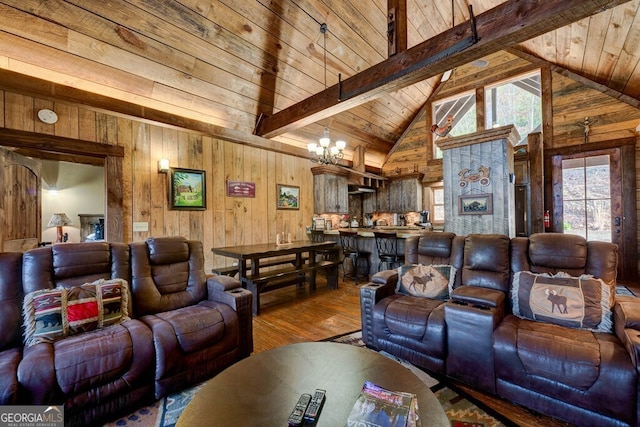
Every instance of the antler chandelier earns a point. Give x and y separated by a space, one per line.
326 154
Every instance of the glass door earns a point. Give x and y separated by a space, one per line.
594 197
586 197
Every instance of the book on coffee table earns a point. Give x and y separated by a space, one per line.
379 407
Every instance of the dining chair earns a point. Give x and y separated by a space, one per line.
319 236
387 246
351 250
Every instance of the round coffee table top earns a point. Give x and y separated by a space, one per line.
263 389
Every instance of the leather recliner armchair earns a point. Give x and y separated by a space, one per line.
200 324
578 375
11 321
409 327
96 374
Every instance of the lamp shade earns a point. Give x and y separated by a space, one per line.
59 220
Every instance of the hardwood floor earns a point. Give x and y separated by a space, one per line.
296 314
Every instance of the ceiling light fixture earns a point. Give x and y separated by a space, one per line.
325 153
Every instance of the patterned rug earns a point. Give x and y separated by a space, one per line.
461 411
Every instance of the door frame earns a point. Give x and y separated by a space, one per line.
627 241
110 156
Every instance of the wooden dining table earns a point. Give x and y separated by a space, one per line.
249 259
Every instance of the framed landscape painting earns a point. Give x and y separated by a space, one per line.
187 189
288 197
476 204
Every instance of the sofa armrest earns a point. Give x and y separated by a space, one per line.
470 342
481 297
227 290
370 295
626 323
37 376
386 277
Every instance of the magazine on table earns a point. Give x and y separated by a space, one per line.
379 407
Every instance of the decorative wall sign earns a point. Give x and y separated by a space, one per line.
475 204
287 197
483 176
241 189
187 189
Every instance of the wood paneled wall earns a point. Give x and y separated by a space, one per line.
226 221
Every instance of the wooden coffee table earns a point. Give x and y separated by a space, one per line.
262 389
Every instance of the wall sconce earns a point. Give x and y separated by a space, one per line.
163 165
59 220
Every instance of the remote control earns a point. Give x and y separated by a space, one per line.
297 416
314 408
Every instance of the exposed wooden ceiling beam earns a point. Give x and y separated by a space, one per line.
526 19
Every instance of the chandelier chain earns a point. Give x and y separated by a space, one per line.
325 154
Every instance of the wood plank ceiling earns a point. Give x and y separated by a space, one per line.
223 63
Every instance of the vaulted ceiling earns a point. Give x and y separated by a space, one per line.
219 65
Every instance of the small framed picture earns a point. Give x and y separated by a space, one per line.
287 197
187 189
475 204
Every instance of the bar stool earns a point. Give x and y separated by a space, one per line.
327 253
387 246
351 250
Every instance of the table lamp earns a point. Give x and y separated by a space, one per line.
59 220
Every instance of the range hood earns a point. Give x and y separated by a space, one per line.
359 189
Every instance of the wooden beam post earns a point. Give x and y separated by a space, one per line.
397 26
536 176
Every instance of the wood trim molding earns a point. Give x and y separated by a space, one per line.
508 132
57 144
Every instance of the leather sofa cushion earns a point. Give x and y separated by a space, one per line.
409 316
569 367
568 253
565 355
167 250
9 360
195 327
106 356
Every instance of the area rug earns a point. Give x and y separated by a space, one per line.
460 410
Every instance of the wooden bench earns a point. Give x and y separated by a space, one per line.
232 270
276 279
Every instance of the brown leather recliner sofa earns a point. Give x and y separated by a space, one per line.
10 319
196 327
576 374
103 373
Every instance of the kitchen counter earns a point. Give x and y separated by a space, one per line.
402 231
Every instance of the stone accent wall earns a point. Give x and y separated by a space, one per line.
478 176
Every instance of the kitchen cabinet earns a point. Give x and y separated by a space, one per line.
382 198
376 202
369 202
330 190
405 193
